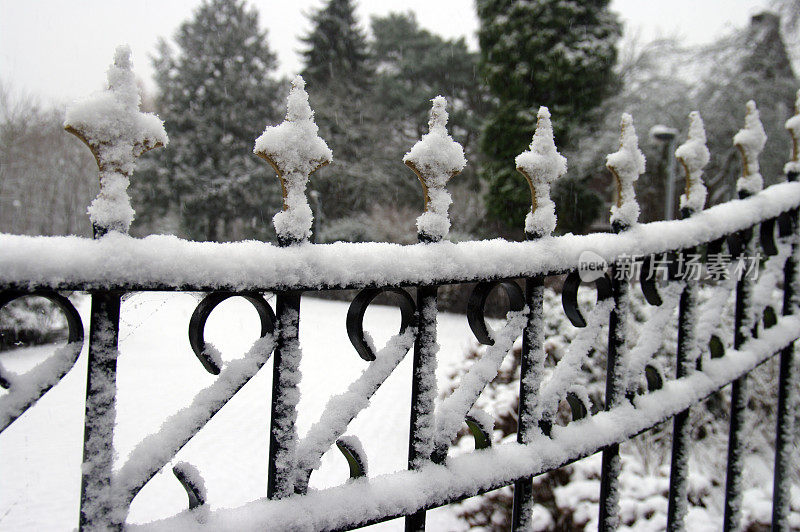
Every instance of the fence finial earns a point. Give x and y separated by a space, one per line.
295 151
541 165
435 159
694 156
793 126
110 124
626 164
750 140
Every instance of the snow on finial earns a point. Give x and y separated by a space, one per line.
110 124
541 165
694 156
750 140
626 164
295 151
793 126
435 159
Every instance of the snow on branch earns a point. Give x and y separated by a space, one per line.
750 140
343 408
110 124
541 165
694 156
793 126
626 164
435 159
295 150
452 411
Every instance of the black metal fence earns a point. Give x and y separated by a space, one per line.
113 265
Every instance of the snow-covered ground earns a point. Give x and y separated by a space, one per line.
158 374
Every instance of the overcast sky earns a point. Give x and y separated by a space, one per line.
58 50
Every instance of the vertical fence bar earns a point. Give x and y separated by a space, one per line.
423 391
285 396
679 465
97 507
530 376
733 479
615 388
786 394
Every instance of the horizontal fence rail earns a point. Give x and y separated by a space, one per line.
639 394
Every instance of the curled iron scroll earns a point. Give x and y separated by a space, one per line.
196 493
197 323
352 450
355 317
648 278
477 303
767 237
74 340
785 224
578 410
569 295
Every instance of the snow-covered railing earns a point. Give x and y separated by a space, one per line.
638 396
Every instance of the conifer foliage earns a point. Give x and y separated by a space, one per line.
557 53
215 94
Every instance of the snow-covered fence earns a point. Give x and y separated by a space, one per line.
639 394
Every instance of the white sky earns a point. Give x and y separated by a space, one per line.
58 50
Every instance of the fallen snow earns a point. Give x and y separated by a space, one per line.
793 126
541 165
750 140
436 158
295 150
160 261
694 156
110 123
406 491
627 164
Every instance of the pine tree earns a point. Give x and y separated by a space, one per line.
557 53
339 73
215 95
336 47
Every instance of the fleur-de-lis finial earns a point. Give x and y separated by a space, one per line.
435 158
793 126
626 164
541 165
110 124
294 149
750 140
694 156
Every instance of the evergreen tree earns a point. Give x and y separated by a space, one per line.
336 47
215 95
413 66
558 53
339 74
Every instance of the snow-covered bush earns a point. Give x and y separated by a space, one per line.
567 498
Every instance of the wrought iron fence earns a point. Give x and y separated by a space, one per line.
638 393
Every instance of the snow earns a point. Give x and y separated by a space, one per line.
793 126
158 374
343 408
110 123
453 410
160 260
155 450
541 165
750 140
407 491
435 158
626 164
27 387
554 390
694 156
295 151
651 335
